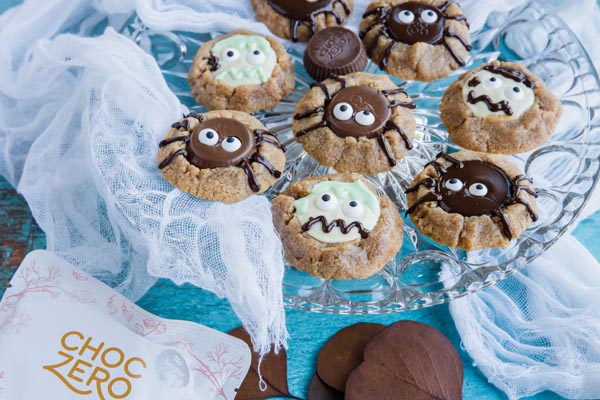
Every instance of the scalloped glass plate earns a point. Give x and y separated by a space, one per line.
424 273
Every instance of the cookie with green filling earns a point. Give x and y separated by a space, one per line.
337 226
241 71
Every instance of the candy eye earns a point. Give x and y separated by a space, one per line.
231 144
326 202
365 118
256 57
208 136
453 184
406 17
353 209
429 16
478 189
514 93
230 54
493 82
343 111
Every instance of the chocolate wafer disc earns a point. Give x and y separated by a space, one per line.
344 352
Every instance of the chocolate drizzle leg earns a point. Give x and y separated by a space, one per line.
385 146
391 125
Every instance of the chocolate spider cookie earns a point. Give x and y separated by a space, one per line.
355 123
421 40
471 201
500 107
241 71
221 155
298 20
337 226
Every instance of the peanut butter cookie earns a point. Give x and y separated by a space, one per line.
471 201
337 226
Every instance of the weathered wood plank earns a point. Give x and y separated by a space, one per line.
19 234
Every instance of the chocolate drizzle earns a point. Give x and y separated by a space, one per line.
510 73
417 31
327 228
361 99
474 188
474 82
305 13
213 62
503 106
213 156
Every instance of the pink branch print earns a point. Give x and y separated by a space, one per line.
217 366
34 282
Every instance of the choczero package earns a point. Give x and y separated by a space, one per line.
65 335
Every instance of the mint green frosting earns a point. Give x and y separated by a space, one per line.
247 68
342 193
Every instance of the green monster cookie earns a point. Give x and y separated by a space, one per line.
337 226
336 212
244 60
241 71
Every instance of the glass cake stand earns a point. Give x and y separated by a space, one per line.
424 273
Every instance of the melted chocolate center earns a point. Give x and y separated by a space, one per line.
228 131
418 30
298 9
476 177
362 99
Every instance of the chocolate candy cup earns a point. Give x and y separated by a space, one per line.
334 51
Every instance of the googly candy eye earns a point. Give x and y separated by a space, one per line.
208 136
454 184
353 209
478 189
231 144
256 57
406 16
514 93
326 202
343 111
429 16
365 118
493 82
230 54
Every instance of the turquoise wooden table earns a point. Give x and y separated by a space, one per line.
19 234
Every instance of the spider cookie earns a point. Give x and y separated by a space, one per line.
421 40
337 226
241 71
355 123
500 107
221 155
298 20
471 201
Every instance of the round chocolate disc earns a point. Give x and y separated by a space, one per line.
318 390
358 111
407 360
344 352
476 188
219 142
334 51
